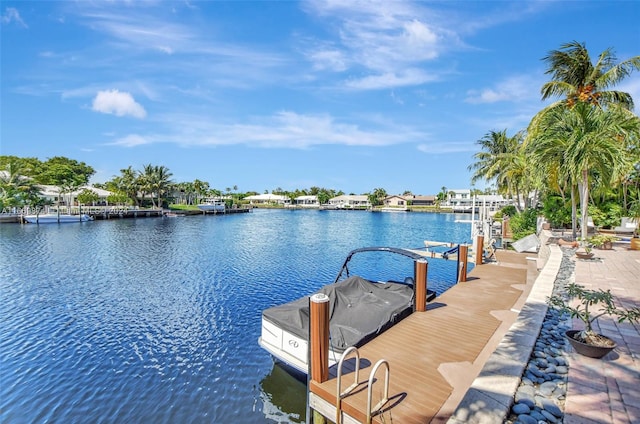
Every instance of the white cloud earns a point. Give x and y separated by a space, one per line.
513 89
284 129
407 77
131 140
117 103
388 39
451 147
11 14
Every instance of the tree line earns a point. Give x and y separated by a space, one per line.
150 186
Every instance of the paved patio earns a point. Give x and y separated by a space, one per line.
608 390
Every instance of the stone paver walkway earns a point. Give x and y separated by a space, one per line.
603 391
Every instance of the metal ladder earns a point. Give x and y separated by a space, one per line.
342 394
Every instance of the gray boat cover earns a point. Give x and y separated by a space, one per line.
359 310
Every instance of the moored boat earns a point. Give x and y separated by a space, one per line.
360 309
54 218
213 205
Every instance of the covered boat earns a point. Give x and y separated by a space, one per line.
359 310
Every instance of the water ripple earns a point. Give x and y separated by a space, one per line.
157 320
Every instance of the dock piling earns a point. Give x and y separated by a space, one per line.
463 257
421 285
479 249
319 342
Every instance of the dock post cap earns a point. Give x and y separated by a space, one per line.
319 298
422 261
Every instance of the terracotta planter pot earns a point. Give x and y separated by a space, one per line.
587 349
635 243
584 255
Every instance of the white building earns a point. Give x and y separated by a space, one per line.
308 201
350 201
268 198
462 201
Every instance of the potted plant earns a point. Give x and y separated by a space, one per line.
584 252
586 341
603 241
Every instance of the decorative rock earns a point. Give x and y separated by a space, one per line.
543 386
520 408
529 402
552 408
548 416
538 416
527 419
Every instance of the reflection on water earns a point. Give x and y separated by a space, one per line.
157 320
283 396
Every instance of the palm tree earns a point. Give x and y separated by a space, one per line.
201 188
128 185
161 182
502 159
155 180
579 82
16 189
589 141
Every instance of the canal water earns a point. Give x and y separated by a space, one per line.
156 320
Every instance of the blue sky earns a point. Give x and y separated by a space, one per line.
349 95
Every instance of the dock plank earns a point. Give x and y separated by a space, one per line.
454 329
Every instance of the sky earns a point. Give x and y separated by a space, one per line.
265 95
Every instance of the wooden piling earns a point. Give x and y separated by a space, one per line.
479 249
421 285
463 257
319 321
319 342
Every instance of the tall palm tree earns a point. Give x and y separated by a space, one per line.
502 159
579 82
160 182
593 141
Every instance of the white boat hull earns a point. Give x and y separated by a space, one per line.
53 218
289 348
212 207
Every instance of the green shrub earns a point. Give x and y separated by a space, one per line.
557 211
524 223
508 211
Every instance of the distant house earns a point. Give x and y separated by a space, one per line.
307 201
423 200
409 200
463 201
350 201
268 198
395 200
52 194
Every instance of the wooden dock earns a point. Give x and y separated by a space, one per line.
434 356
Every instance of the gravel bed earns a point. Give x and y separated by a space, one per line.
541 394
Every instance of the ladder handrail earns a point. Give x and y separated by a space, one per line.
385 398
339 394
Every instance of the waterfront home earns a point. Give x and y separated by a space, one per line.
268 199
462 201
350 201
52 194
394 200
308 201
421 200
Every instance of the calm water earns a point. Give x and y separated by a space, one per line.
157 319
